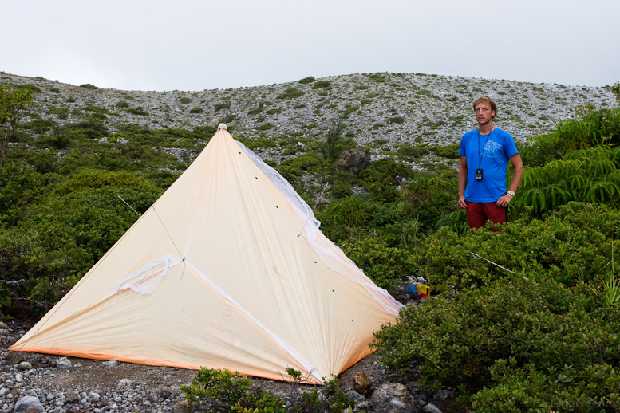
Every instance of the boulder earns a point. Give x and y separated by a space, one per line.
431 408
391 398
361 384
63 363
28 404
353 160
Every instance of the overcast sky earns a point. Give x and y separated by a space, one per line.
195 45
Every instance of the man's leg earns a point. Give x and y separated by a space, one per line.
495 213
475 215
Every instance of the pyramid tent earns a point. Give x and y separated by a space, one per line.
227 269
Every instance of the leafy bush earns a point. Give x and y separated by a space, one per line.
570 246
591 175
382 179
223 391
423 199
322 84
377 77
290 93
68 230
222 105
137 111
386 266
514 344
306 80
399 120
592 128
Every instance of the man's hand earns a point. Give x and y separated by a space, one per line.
462 203
504 200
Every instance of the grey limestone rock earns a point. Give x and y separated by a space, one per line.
431 408
28 404
63 363
391 398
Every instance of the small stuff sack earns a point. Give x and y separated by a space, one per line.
419 290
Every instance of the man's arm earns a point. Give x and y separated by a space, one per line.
462 179
515 181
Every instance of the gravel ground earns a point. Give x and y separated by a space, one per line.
74 385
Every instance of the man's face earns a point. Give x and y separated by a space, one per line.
484 113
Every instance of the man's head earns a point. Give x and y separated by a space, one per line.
485 109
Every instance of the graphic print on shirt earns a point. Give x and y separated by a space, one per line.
492 150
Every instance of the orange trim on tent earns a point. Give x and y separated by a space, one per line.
150 362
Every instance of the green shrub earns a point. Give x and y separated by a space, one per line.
377 77
615 89
265 126
222 105
447 151
592 128
399 120
488 341
196 110
89 86
428 197
68 229
386 266
40 126
307 80
137 111
257 110
61 111
322 84
382 179
591 175
290 93
184 100
592 389
570 246
223 391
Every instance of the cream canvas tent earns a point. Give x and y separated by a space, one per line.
228 269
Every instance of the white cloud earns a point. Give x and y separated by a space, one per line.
203 44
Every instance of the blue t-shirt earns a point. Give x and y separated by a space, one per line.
490 153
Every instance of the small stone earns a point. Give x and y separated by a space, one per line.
28 404
124 382
63 363
94 396
24 365
18 377
182 407
444 394
392 397
362 406
3 391
72 396
3 325
431 408
355 396
397 404
110 363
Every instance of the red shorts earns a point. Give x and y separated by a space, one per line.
478 214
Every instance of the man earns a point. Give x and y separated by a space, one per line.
485 152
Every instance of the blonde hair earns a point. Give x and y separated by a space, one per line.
487 100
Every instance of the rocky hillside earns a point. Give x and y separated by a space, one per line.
387 108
